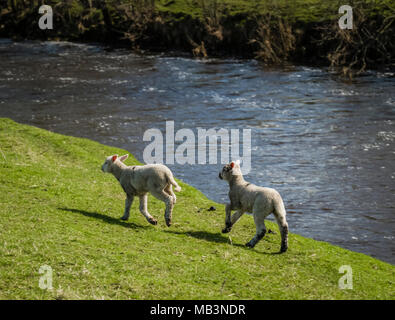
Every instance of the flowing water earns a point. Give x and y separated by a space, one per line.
327 145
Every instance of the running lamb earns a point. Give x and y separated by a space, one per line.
139 180
246 197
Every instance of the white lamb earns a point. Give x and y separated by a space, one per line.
139 180
247 197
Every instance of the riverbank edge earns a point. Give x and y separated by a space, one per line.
42 189
270 33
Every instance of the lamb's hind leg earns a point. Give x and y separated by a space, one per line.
260 229
279 214
169 190
284 236
168 200
144 210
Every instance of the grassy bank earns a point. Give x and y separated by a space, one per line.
58 209
273 31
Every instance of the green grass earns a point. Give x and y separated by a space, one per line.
58 209
294 10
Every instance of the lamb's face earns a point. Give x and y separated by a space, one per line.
226 173
108 162
230 170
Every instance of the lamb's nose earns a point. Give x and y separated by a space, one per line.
220 176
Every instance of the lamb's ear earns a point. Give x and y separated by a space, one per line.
114 157
238 162
124 157
232 164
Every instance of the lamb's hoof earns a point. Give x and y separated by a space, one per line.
226 230
168 223
283 249
124 218
153 221
250 244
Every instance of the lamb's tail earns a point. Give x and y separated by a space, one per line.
175 184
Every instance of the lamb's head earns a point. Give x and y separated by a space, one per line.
111 160
230 170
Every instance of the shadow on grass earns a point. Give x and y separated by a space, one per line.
105 218
218 238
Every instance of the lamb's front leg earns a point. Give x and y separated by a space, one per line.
128 204
228 222
234 218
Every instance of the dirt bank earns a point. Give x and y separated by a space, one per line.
274 32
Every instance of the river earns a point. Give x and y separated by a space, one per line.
327 145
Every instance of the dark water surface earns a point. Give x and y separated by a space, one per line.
328 146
